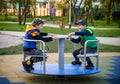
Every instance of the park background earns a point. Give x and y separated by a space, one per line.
103 15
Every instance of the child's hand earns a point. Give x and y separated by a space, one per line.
51 35
70 34
55 37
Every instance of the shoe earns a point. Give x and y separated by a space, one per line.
89 66
76 63
26 67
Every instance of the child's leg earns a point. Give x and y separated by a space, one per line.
36 52
89 62
28 64
75 53
90 50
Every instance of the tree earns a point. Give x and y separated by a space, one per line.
84 10
1 5
19 15
15 5
89 11
63 5
108 9
24 10
3 8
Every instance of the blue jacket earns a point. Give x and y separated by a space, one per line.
34 34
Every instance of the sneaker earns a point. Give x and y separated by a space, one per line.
89 66
76 63
26 67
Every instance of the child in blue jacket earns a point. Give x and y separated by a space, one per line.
29 48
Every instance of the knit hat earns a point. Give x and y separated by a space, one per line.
37 21
81 22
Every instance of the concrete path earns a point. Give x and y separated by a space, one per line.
110 40
11 38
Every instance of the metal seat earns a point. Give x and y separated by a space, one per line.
96 54
42 47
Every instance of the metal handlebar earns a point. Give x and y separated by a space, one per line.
88 41
85 52
42 46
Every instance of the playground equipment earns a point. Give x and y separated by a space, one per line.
90 54
62 69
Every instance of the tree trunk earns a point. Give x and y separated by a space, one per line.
74 14
109 11
25 15
91 12
34 10
19 16
5 10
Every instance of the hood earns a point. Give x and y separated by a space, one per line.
28 28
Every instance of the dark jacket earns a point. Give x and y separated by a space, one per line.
34 34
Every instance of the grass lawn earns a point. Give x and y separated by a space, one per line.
53 45
99 33
56 20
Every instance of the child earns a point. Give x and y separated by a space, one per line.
85 33
29 48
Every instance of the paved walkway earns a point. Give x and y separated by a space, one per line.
11 38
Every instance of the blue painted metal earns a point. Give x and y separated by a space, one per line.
69 69
62 69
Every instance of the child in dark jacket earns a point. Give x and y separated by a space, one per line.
85 33
29 48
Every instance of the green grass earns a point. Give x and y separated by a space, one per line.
56 20
99 33
12 27
9 18
52 47
11 50
107 33
103 24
